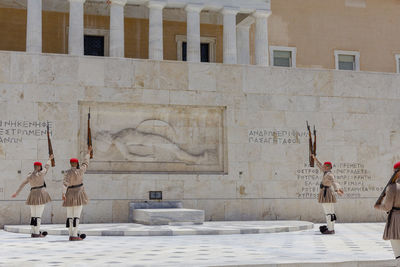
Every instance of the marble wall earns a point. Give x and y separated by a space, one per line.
267 176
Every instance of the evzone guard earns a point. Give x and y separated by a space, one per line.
326 196
74 195
38 195
389 201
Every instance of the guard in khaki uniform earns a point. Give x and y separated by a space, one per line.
327 196
38 195
391 204
74 195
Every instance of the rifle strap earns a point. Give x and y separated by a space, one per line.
325 188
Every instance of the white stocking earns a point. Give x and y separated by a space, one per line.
328 210
33 212
77 214
38 215
70 215
396 247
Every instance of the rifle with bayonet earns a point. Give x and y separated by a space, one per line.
89 136
53 162
315 142
312 147
391 181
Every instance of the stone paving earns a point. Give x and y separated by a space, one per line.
353 245
208 228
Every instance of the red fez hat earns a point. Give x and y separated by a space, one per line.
328 163
37 163
74 160
397 165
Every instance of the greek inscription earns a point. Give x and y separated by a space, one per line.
13 131
354 179
279 137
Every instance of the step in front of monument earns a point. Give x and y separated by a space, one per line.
207 228
168 216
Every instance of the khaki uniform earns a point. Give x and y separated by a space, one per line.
392 200
326 193
75 195
392 229
327 196
38 196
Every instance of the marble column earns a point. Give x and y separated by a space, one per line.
117 39
156 29
261 37
229 47
193 32
76 33
34 26
243 44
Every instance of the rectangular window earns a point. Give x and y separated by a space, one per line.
184 51
347 60
204 52
207 48
94 45
397 58
282 56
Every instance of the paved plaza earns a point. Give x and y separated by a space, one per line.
353 245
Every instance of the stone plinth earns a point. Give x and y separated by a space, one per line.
153 205
163 213
168 216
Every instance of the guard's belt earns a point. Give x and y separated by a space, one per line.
38 187
75 186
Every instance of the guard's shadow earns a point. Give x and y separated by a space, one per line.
58 241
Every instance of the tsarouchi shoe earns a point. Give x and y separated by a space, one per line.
323 228
38 235
327 232
75 238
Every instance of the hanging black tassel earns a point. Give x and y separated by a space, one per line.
32 221
67 223
333 217
75 219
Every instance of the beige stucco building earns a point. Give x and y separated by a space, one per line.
305 33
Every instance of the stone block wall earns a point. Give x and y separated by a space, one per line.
266 147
